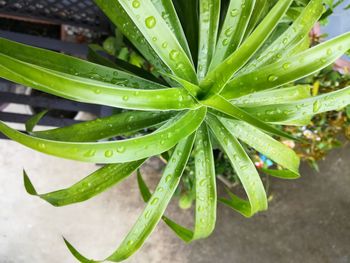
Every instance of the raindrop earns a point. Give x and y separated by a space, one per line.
97 91
165 44
316 106
90 153
174 54
167 179
125 98
203 182
150 22
121 149
109 153
234 12
272 78
225 42
286 65
42 145
136 4
154 201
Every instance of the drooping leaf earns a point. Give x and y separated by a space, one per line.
220 104
92 91
103 128
266 145
127 150
90 186
157 204
244 168
73 66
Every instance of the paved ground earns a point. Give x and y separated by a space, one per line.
308 219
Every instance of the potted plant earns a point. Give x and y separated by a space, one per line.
226 85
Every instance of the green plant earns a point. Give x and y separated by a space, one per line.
244 58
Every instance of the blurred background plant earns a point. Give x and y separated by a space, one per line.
323 133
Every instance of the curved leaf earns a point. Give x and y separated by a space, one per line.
273 96
162 40
299 109
168 12
291 37
116 13
127 150
288 69
92 91
233 29
220 104
156 206
266 145
216 80
73 66
107 127
244 168
90 186
33 121
205 213
209 14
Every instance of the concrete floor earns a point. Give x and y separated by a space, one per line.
308 219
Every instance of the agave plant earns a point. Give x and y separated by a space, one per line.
225 68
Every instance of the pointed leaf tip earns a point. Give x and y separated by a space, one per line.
76 253
28 184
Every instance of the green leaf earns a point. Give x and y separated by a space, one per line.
261 8
205 215
290 38
182 232
209 14
220 104
103 128
276 151
233 29
119 64
205 185
73 66
167 10
92 91
92 185
244 168
116 13
273 96
156 206
307 107
216 80
121 151
288 69
158 35
33 121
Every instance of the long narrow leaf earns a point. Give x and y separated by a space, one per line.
159 36
216 80
220 104
273 96
92 91
233 29
156 206
308 107
103 128
73 66
205 213
92 185
168 13
127 150
291 37
266 145
209 13
289 69
244 168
